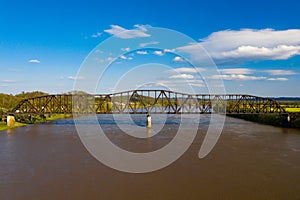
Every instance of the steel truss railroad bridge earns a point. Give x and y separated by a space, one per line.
148 101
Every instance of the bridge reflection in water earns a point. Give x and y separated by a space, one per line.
148 101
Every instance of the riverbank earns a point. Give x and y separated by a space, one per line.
268 119
3 125
58 116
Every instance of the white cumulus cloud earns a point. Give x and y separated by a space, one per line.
34 61
76 78
236 71
123 33
277 79
182 76
238 77
158 53
126 57
238 46
123 57
96 35
142 52
280 52
187 70
279 72
125 49
169 50
178 59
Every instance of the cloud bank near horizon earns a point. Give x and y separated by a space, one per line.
233 47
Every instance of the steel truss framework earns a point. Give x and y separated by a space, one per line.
149 101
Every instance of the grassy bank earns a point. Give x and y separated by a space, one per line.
3 125
274 120
268 119
33 119
295 123
58 116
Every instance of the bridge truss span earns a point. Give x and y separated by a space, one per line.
148 101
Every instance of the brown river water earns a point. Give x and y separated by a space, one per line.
249 161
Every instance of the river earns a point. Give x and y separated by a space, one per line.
249 161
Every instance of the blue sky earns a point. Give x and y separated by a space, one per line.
255 45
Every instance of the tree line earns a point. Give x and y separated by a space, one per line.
9 101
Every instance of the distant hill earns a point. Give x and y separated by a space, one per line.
25 95
287 98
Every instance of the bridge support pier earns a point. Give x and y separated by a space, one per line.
10 120
149 123
286 120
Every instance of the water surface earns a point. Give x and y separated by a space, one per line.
250 161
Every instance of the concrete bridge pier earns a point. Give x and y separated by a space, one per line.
286 120
149 121
10 120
